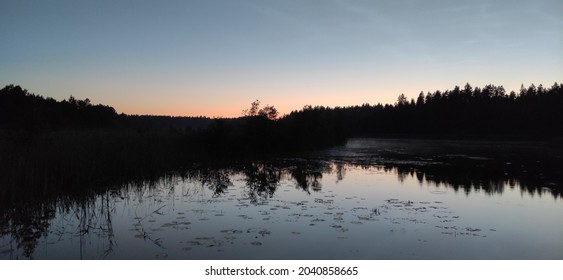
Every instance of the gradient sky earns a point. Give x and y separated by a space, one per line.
213 57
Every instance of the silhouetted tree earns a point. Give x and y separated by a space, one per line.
402 100
253 110
269 112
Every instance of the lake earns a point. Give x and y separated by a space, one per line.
370 199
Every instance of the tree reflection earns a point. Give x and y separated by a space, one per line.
217 180
26 226
261 180
307 181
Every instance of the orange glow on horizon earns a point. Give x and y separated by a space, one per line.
180 112
230 103
232 111
233 106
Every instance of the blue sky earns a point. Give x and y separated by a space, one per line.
213 57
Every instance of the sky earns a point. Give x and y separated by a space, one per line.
214 57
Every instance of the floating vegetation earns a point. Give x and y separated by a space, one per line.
231 231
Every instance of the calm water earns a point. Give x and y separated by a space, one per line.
372 199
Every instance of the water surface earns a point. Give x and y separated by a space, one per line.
371 199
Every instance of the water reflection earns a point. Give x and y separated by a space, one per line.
77 220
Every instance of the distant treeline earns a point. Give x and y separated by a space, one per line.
24 111
534 113
488 112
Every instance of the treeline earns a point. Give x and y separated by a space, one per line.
258 132
534 113
24 111
21 110
258 136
